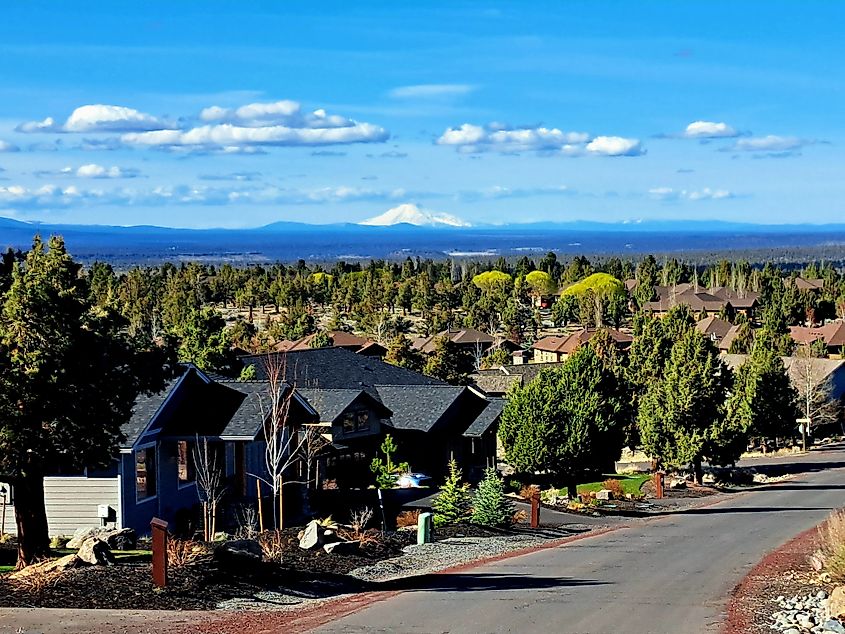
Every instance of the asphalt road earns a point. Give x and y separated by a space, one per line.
669 574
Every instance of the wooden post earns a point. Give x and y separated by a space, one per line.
535 509
658 485
281 504
159 530
260 506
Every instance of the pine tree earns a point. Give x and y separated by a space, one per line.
490 505
453 504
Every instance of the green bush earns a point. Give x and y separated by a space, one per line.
452 504
491 507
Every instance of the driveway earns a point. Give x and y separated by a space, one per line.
671 574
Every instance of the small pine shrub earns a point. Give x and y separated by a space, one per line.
491 507
452 505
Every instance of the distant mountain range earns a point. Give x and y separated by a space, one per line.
408 231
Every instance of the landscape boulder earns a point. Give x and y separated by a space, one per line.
312 536
342 548
238 553
604 494
116 538
96 552
836 602
54 565
677 483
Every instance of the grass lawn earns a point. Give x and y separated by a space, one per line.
630 483
5 569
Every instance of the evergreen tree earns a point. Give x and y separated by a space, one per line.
453 504
400 352
69 377
680 416
490 505
449 362
568 420
204 342
763 399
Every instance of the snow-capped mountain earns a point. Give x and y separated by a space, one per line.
412 215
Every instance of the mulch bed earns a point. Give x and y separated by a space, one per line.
786 572
202 584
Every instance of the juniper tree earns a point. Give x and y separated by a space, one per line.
69 377
680 416
567 421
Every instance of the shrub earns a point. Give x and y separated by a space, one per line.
408 518
490 506
832 538
359 518
452 505
272 545
181 552
615 487
528 491
59 542
385 470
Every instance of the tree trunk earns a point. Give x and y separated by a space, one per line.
31 519
697 470
572 489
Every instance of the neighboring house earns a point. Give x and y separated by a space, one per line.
806 284
354 401
469 339
724 344
799 368
340 339
698 301
833 335
554 349
497 381
714 328
361 399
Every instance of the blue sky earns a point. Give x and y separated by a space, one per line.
240 114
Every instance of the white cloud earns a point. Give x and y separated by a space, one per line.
473 138
430 91
92 170
709 130
5 146
495 138
770 143
668 193
615 146
500 191
100 118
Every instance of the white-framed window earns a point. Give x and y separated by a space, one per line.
146 473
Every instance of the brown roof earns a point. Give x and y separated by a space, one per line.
569 343
740 301
713 327
696 301
464 336
833 334
806 284
728 339
340 339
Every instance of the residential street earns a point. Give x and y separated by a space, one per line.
671 574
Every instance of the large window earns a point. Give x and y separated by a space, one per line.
356 421
185 462
145 473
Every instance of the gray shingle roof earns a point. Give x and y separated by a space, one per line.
338 368
146 406
487 418
332 403
418 407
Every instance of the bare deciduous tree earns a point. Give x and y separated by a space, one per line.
209 480
815 391
283 443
